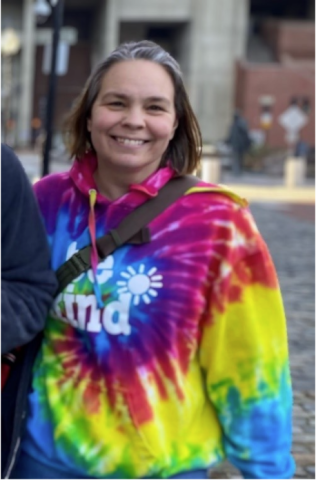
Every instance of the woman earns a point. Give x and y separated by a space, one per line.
171 355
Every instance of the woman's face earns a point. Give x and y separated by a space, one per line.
133 117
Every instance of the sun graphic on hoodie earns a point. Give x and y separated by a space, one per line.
140 284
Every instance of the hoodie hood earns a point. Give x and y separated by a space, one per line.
82 174
83 170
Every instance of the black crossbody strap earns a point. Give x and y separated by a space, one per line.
131 229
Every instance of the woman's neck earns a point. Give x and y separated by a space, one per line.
114 184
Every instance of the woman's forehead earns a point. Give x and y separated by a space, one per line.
138 75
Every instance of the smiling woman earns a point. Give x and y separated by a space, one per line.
168 355
163 95
130 125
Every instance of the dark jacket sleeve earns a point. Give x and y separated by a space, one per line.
27 281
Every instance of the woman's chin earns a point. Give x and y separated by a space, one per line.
132 164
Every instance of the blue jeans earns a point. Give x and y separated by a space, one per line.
28 467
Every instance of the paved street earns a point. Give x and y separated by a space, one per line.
289 232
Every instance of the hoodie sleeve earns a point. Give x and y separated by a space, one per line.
27 282
244 353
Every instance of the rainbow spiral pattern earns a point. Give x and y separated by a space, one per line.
187 361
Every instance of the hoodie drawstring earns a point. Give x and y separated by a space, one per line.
94 251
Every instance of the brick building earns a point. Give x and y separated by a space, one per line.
208 38
283 77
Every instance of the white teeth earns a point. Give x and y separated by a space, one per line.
128 141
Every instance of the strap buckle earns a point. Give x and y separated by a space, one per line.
77 264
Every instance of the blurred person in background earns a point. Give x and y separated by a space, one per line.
169 356
27 288
240 142
36 125
301 149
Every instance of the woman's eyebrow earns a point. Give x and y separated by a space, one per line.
159 100
113 94
124 97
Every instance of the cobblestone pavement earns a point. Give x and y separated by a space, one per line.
289 232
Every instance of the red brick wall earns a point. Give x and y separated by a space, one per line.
293 38
283 82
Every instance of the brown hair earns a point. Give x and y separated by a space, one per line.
184 150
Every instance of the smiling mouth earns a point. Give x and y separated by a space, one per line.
129 141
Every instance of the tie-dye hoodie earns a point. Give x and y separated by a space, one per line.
186 360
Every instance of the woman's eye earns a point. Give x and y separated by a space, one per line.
116 104
156 108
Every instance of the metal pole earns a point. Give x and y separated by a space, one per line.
7 83
58 11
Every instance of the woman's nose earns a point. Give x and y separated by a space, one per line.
134 118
